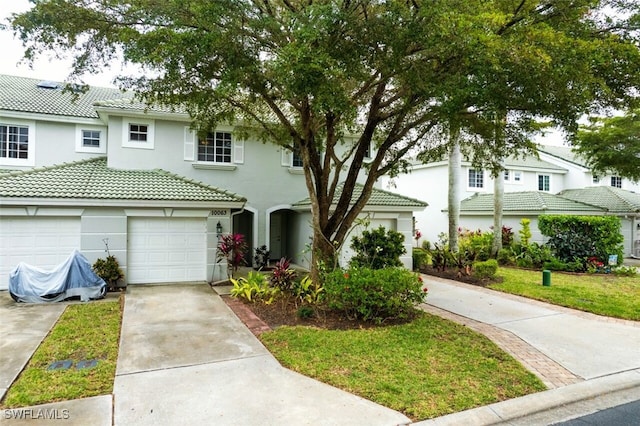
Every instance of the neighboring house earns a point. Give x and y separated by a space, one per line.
429 182
101 166
476 212
557 169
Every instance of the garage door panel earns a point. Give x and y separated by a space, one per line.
166 250
44 242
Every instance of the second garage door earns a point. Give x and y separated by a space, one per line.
166 250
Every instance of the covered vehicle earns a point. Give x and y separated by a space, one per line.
72 278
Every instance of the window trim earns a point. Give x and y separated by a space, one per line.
80 147
31 143
216 163
511 177
128 143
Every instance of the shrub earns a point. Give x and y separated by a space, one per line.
525 232
506 257
485 269
575 238
109 270
231 248
420 258
555 265
261 257
507 236
374 294
254 288
307 291
475 244
625 271
378 248
283 275
533 255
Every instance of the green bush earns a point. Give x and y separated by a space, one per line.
506 257
374 294
625 271
579 238
420 258
109 270
555 265
475 244
485 269
533 255
254 288
377 249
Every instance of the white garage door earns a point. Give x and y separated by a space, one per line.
44 242
166 250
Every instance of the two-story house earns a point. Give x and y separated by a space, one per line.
532 186
101 169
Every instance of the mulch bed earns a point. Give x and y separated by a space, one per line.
459 275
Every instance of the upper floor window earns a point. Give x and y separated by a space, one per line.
14 141
476 178
216 148
595 179
513 176
616 181
544 183
17 143
91 139
138 133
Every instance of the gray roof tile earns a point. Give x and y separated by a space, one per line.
379 198
563 153
23 95
92 179
615 200
526 201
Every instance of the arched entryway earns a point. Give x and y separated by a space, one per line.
244 222
280 232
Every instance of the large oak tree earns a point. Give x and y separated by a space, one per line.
305 74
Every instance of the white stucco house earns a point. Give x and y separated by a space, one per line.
79 173
529 184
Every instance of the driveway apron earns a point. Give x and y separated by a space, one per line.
22 327
185 358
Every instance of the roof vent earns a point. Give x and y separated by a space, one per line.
46 84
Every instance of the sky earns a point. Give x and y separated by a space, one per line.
46 67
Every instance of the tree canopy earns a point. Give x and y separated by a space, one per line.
612 145
306 75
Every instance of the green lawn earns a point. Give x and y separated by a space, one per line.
83 332
602 294
427 368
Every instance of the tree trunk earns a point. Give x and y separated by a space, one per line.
455 167
498 202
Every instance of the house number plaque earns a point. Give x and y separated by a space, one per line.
218 212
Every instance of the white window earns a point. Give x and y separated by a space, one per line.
476 178
595 179
513 176
138 134
17 147
216 147
544 183
517 176
616 181
507 176
91 139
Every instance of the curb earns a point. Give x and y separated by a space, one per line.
524 410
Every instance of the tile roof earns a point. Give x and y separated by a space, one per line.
92 179
526 201
531 162
615 200
23 95
563 153
379 198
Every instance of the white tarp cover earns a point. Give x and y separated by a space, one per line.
72 278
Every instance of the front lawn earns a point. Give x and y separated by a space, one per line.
84 332
424 369
602 294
